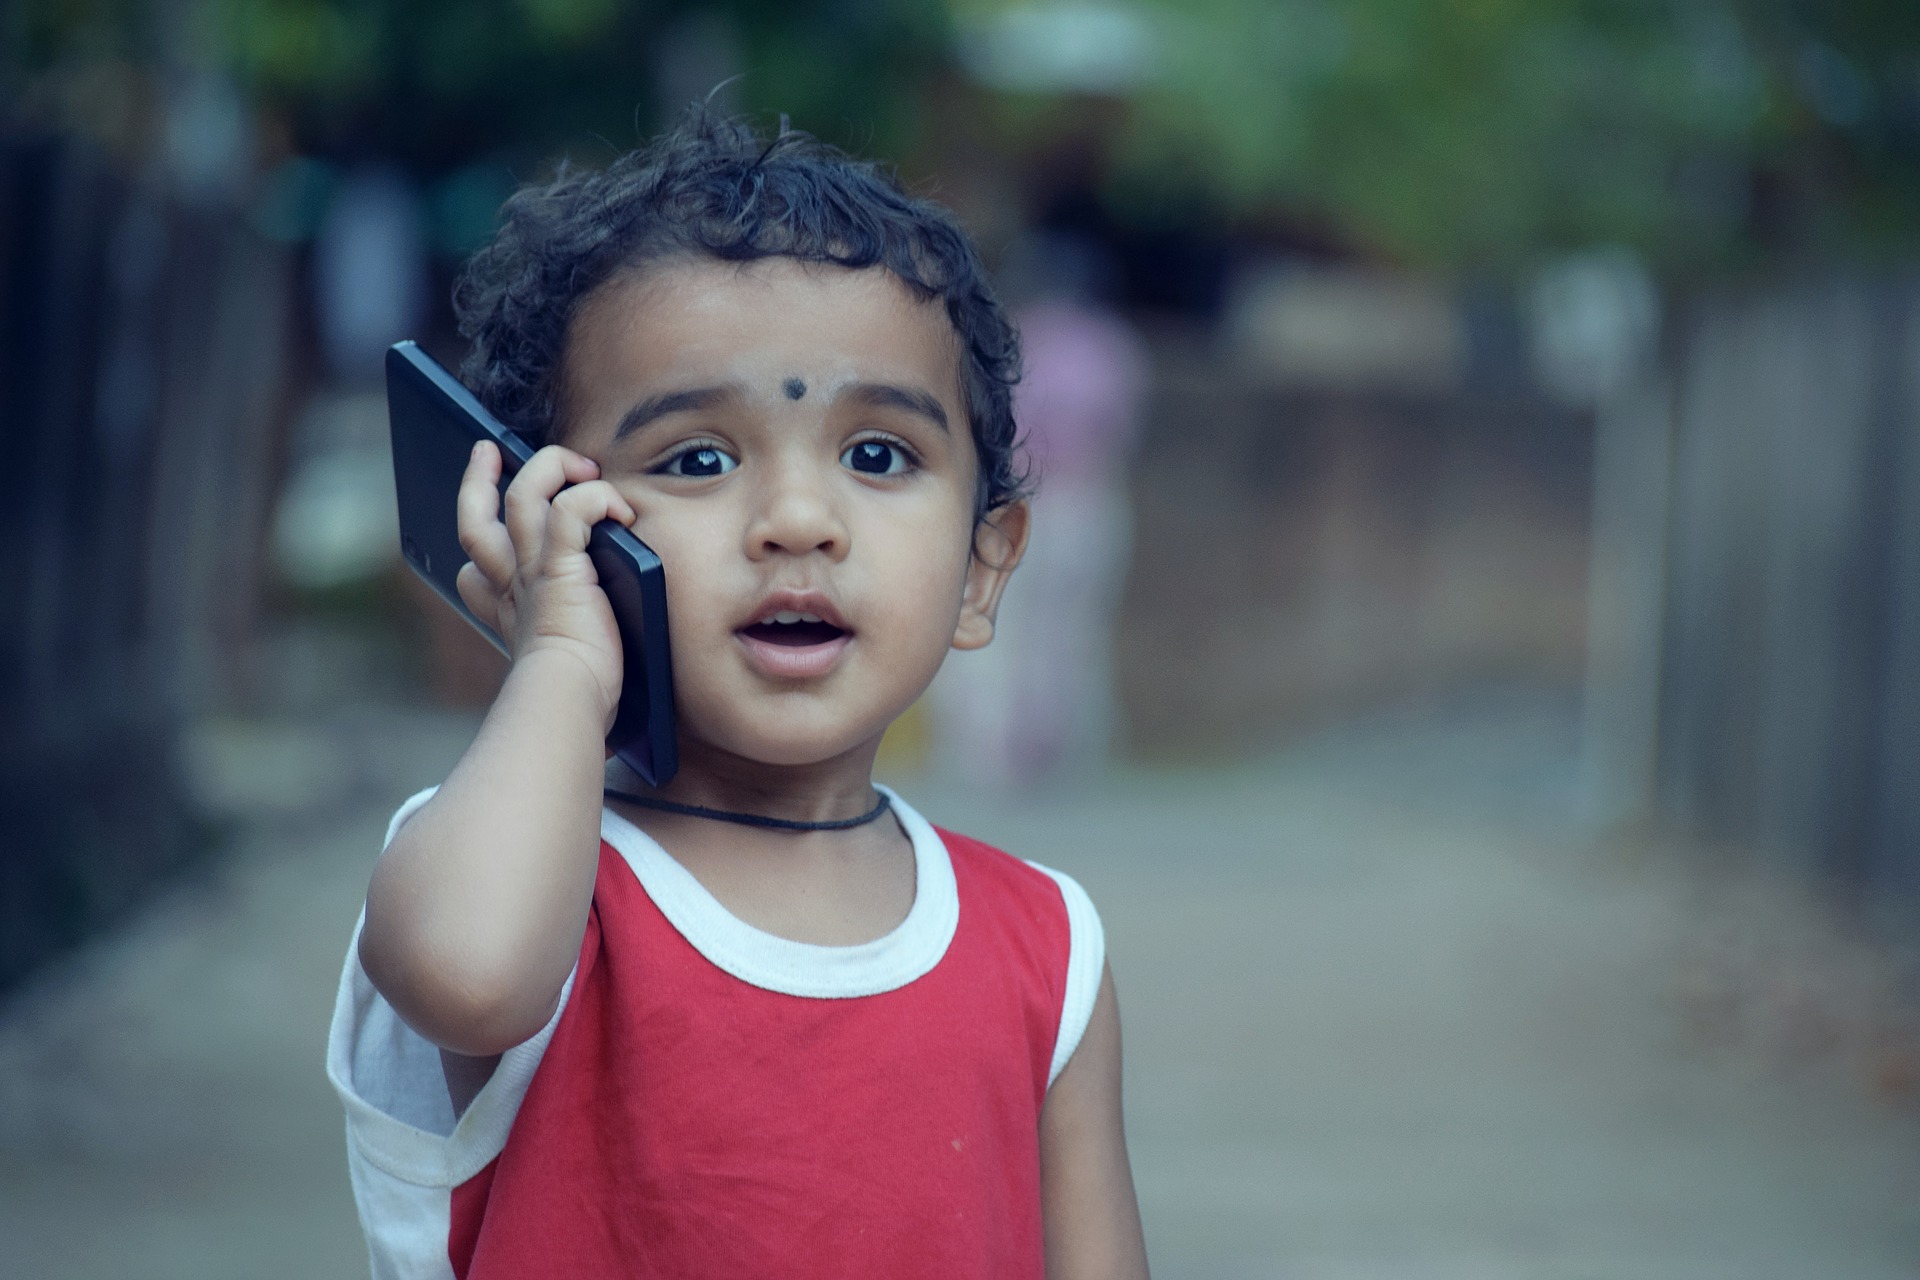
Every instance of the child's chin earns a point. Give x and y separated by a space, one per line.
793 754
786 736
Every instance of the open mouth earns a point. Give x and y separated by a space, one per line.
792 629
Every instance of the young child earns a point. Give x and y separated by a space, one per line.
589 1030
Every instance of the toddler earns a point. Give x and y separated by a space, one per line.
764 1020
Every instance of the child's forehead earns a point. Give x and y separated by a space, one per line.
767 320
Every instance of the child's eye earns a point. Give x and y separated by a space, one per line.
875 458
698 463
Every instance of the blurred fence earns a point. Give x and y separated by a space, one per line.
142 369
1757 676
1791 684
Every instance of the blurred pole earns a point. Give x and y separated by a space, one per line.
1595 320
218 446
1626 581
1895 838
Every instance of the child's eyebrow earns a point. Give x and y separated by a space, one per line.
671 402
884 395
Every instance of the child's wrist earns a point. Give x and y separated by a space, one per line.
564 678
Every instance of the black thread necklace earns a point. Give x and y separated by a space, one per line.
752 819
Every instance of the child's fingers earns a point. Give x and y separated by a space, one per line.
480 595
572 515
477 512
546 473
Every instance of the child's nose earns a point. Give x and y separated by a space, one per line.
796 515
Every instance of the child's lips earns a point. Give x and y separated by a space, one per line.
794 657
795 635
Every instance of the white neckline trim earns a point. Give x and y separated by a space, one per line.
792 968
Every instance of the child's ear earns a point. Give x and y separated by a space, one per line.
999 541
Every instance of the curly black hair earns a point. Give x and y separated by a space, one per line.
713 187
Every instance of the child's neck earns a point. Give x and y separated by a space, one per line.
711 778
831 888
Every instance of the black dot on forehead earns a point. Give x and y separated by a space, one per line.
794 388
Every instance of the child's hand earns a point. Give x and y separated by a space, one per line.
530 578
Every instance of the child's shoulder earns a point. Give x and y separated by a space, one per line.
988 860
1020 880
1044 909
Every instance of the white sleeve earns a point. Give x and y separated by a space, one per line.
406 1149
1086 960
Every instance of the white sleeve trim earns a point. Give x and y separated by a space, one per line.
1086 960
372 1054
380 1066
408 807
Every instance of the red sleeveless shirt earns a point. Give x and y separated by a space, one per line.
711 1100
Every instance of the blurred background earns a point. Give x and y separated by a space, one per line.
1471 647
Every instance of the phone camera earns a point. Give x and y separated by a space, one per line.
411 550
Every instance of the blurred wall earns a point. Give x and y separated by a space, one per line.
1345 496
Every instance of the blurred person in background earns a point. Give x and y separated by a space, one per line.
1040 700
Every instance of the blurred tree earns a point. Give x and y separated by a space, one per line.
436 83
1470 133
1484 132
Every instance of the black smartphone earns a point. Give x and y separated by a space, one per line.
435 423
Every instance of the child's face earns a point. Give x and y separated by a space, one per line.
794 440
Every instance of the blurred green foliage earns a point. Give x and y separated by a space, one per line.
1467 133
1486 131
436 83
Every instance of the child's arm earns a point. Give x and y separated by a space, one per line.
1092 1220
476 909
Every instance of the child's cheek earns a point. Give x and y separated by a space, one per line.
923 605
